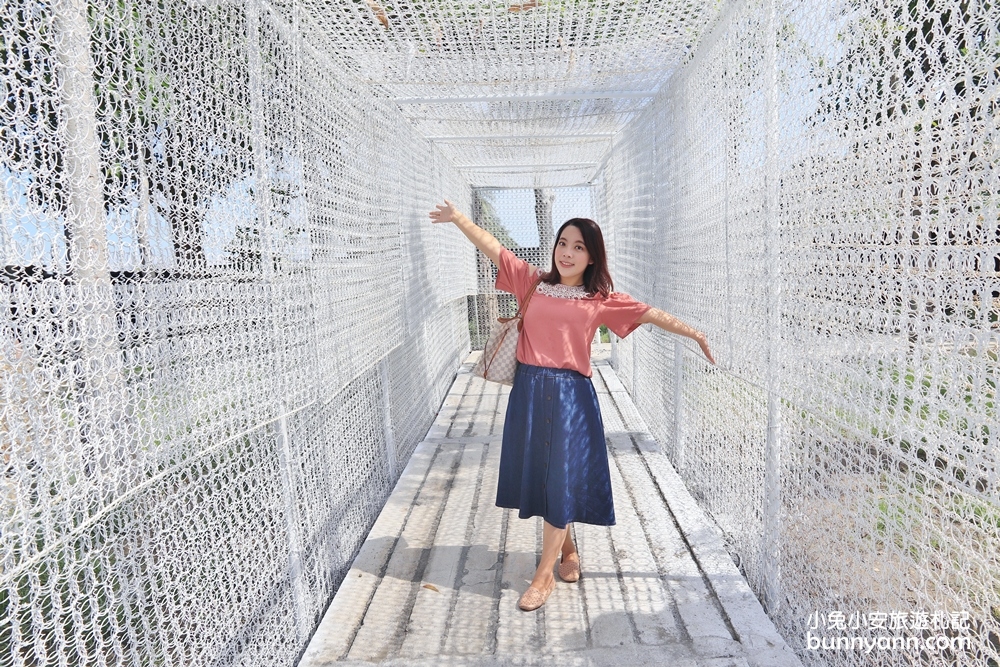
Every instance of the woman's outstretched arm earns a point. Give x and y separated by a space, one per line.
482 238
669 323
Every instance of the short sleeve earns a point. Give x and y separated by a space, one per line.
621 313
515 275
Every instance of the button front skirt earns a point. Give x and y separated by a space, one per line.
554 459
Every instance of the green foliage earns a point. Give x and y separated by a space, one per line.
84 597
133 97
30 110
895 56
489 220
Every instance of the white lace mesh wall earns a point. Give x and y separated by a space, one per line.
818 190
225 322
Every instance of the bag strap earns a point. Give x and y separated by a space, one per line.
522 308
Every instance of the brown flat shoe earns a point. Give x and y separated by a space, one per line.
569 568
534 598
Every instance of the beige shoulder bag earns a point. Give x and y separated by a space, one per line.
499 360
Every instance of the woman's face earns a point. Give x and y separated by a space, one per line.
571 256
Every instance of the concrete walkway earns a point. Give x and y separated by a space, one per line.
438 579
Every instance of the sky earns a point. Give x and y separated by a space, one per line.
516 209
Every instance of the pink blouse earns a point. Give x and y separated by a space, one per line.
557 331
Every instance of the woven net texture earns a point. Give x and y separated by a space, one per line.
226 320
819 191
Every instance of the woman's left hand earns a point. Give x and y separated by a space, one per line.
702 341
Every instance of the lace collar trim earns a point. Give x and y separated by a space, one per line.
563 291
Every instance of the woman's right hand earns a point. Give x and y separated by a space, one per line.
445 213
483 240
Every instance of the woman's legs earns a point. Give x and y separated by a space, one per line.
543 583
568 547
569 566
554 541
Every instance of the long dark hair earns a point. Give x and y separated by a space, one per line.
596 278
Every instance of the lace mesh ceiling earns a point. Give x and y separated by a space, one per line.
518 94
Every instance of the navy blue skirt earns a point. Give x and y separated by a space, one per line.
554 459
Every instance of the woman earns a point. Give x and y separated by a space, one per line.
554 460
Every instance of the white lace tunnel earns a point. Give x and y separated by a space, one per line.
226 320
